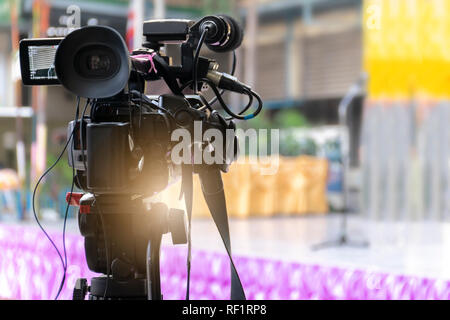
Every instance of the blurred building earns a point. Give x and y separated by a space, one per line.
307 56
307 50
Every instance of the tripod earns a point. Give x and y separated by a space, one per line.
104 288
343 239
125 246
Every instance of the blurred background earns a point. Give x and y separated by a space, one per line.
303 57
360 91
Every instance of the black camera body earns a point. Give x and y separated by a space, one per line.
140 159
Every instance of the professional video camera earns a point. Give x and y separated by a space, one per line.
121 151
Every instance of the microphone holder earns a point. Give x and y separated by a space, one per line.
343 240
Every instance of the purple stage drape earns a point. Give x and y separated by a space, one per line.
31 269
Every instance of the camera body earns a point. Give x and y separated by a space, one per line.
136 146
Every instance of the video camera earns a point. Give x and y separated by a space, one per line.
122 152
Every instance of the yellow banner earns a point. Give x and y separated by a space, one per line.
407 48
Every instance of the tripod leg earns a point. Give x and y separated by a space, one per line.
325 245
153 272
80 290
357 244
332 243
340 242
148 266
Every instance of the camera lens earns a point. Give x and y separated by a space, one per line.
98 62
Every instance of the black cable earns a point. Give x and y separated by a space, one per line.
228 110
196 57
82 137
233 69
63 261
213 100
248 92
34 208
67 209
142 89
146 101
144 104
260 103
249 103
68 204
205 103
130 113
233 66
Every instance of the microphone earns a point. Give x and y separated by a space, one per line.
224 33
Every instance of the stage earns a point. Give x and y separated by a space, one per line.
405 260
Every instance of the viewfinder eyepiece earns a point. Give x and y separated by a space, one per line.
93 62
